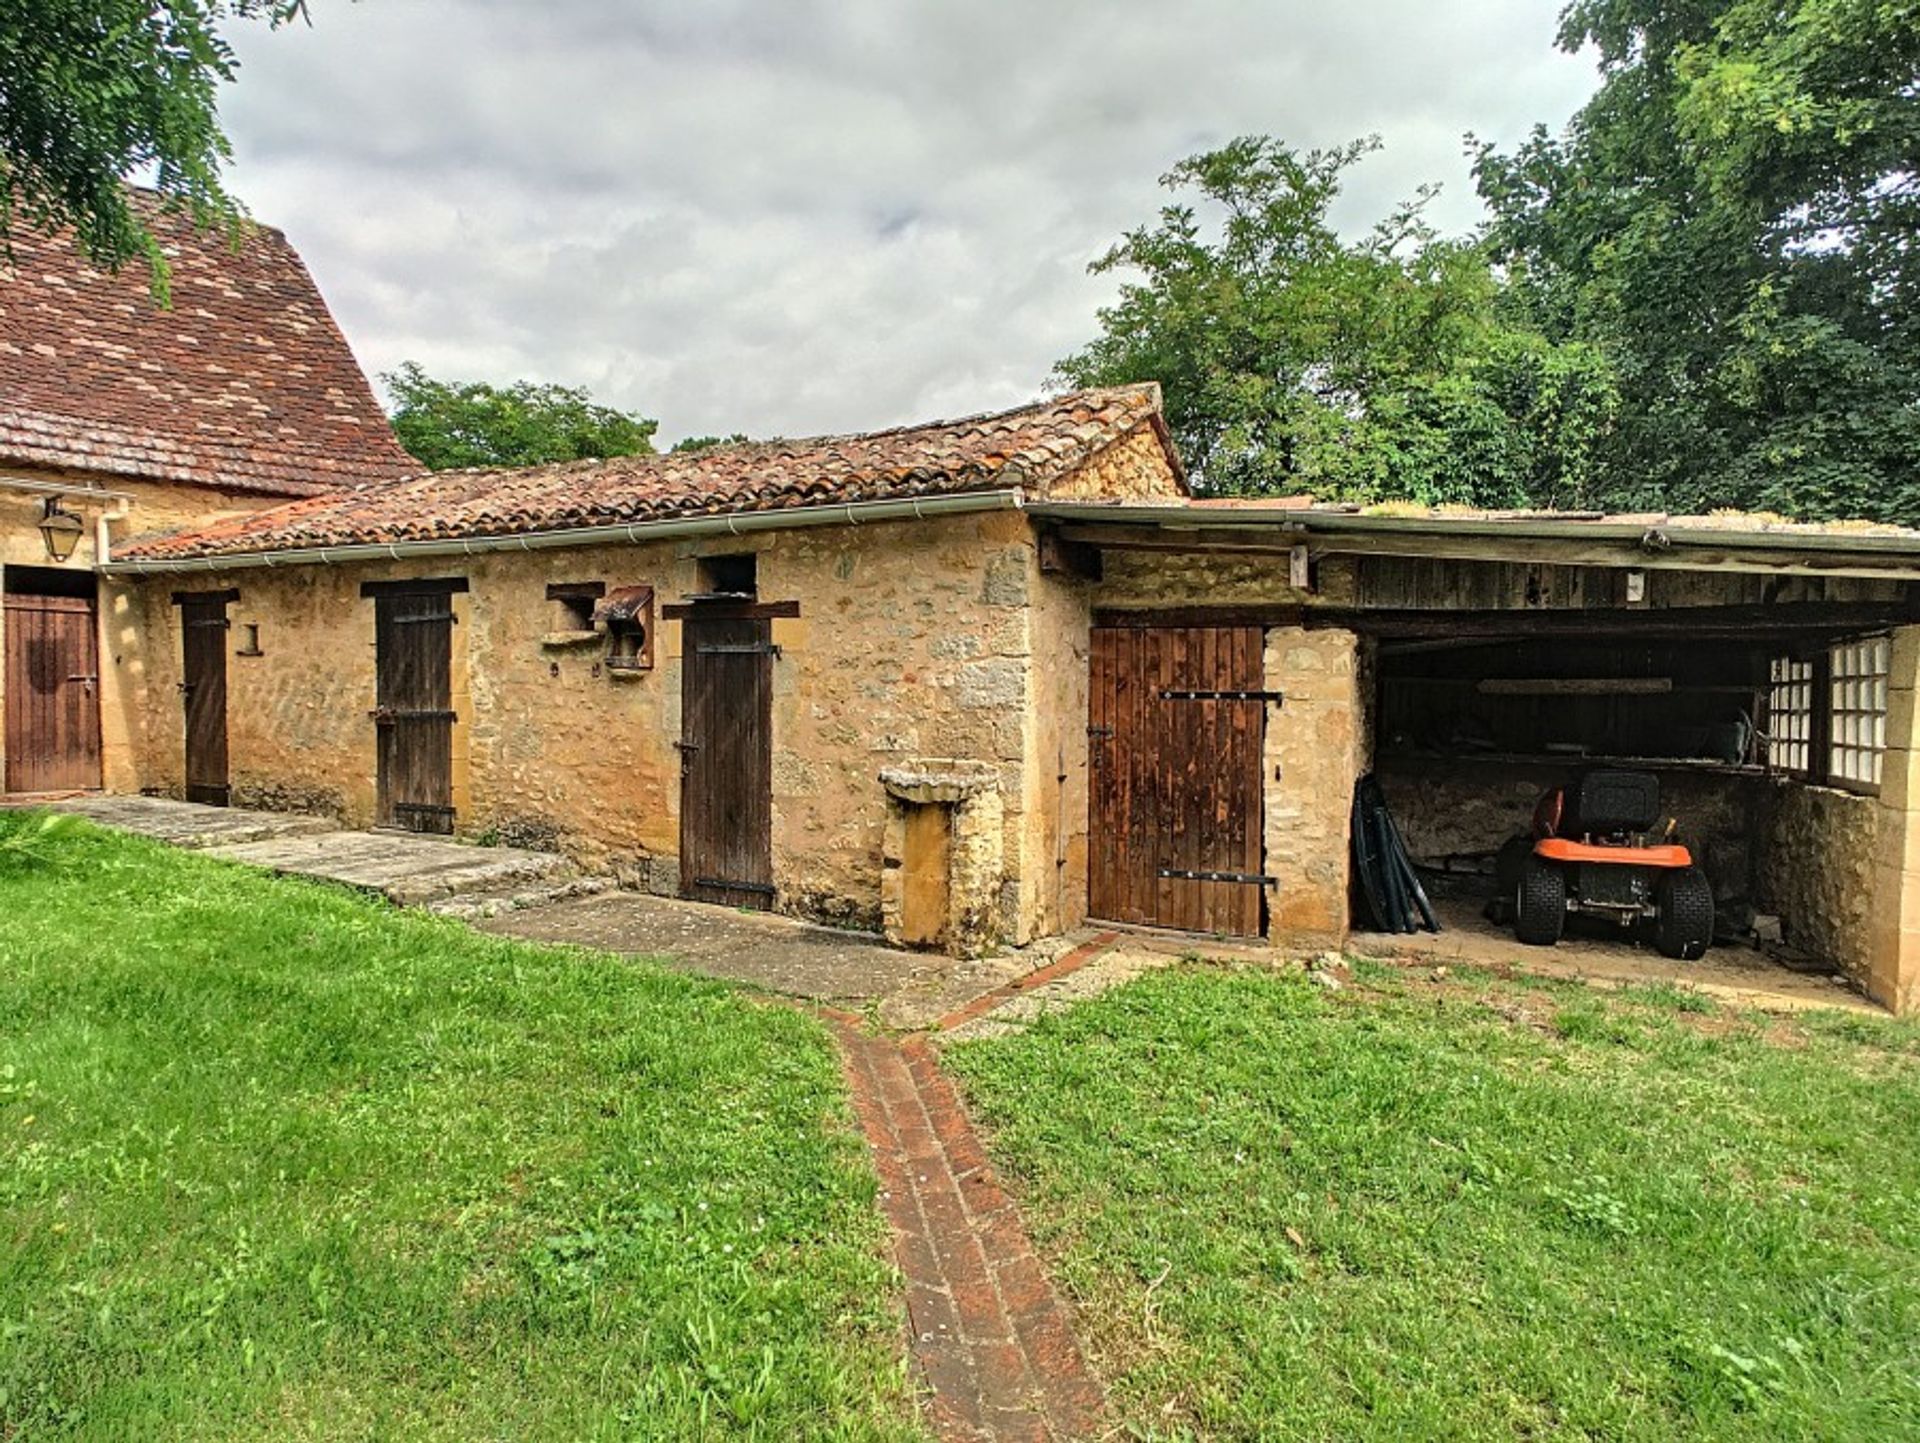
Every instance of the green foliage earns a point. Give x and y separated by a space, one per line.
1295 360
92 91
470 423
707 443
1490 1210
280 1162
1731 219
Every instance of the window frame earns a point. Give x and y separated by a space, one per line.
1798 677
1855 696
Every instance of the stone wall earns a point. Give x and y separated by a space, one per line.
915 641
1893 944
1134 467
1819 848
148 507
1313 757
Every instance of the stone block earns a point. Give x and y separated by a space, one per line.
1000 682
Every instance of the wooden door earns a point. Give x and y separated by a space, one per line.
1175 732
726 761
414 717
203 687
53 702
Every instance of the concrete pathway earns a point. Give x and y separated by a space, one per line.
850 971
405 867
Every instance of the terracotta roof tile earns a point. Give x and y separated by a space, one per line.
1028 448
245 383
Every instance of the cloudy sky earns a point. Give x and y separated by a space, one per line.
793 216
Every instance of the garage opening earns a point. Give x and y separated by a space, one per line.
1762 754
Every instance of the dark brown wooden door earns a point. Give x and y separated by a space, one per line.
53 701
1177 720
203 687
726 761
414 716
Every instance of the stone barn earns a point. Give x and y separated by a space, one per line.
976 682
119 418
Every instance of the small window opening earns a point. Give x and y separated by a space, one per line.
1858 699
1790 716
730 576
250 639
571 605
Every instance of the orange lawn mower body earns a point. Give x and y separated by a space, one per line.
1597 851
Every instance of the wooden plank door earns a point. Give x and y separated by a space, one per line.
726 761
413 716
1176 725
203 687
53 701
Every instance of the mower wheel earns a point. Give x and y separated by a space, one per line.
1540 906
1685 927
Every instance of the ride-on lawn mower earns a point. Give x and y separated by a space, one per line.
1591 854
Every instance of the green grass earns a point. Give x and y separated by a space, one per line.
1473 1211
279 1162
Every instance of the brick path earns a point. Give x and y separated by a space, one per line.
993 1341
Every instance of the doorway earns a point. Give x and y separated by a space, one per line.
726 760
203 692
413 714
1176 730
52 680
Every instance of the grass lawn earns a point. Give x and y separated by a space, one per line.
278 1162
1472 1210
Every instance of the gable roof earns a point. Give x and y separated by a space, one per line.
1027 449
245 383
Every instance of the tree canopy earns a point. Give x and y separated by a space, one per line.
1293 359
471 423
93 91
1734 219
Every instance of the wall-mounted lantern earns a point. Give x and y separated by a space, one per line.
60 529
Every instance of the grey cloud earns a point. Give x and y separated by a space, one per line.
796 217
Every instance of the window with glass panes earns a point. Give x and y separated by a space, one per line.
1857 735
1790 716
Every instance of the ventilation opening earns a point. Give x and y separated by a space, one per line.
734 577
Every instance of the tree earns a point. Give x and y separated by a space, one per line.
470 423
1734 219
1292 359
707 443
92 91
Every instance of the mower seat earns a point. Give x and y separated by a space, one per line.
1609 801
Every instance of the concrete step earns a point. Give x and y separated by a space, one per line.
193 824
477 906
406 868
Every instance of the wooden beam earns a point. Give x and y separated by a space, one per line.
1576 685
729 610
1441 545
424 586
1200 616
1692 623
230 594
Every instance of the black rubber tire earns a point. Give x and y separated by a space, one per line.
1540 905
1684 929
